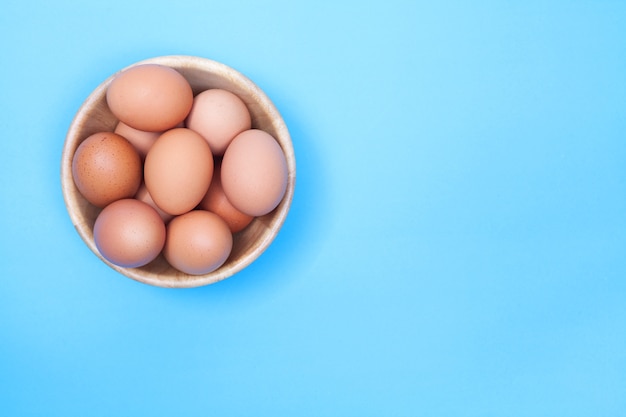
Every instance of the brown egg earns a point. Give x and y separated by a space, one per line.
218 115
254 172
129 233
150 97
215 201
197 242
178 170
141 140
106 167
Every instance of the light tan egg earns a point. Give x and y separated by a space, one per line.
150 97
178 170
129 233
197 242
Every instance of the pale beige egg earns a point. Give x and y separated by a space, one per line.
254 172
218 115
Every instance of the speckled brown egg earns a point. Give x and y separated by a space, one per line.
106 167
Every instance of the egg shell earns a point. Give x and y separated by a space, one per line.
129 233
150 97
216 202
198 242
106 167
218 115
254 172
178 170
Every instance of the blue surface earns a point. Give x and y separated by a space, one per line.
456 245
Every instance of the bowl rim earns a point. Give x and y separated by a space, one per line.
283 137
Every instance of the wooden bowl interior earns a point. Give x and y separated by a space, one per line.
94 116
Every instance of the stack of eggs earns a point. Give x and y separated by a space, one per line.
179 175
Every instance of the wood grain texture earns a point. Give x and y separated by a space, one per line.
94 116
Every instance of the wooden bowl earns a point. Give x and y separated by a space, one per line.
94 116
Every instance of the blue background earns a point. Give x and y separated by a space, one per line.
456 244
